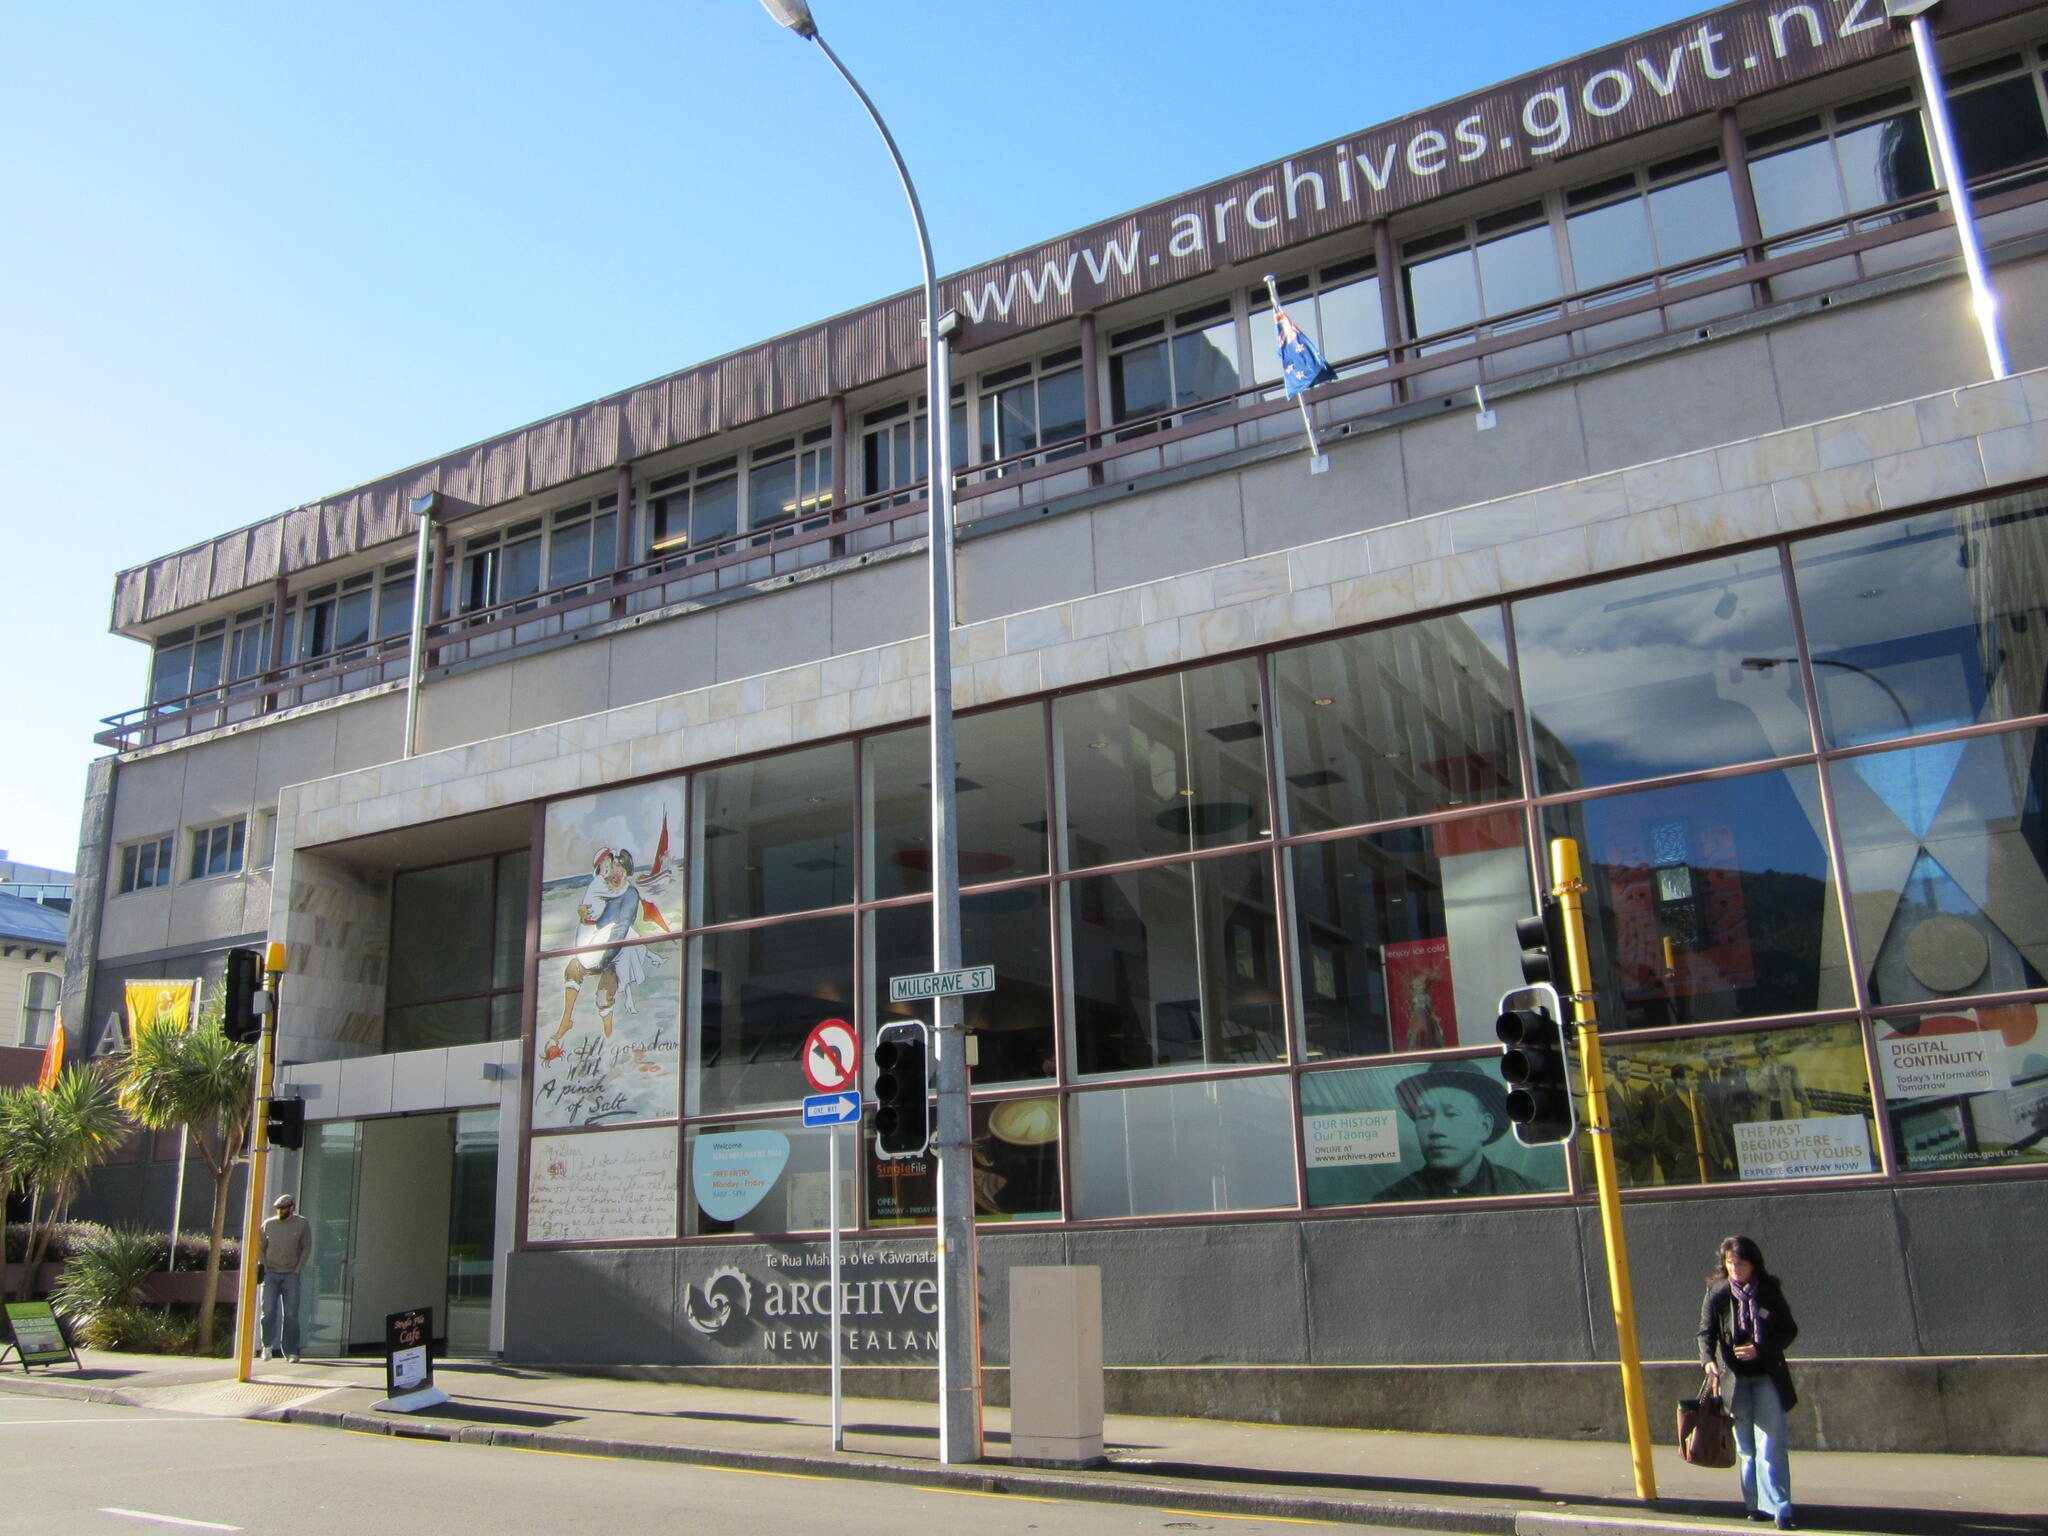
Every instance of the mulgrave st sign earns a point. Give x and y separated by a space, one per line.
1658 78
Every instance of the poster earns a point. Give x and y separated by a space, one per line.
611 866
1820 1147
607 1047
1967 1089
1421 1004
730 1171
1679 1108
607 1187
1433 1132
1016 1169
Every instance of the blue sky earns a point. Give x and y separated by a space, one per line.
258 254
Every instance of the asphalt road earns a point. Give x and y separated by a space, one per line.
69 1467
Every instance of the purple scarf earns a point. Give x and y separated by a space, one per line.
1744 1297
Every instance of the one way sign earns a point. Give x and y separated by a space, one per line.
832 1109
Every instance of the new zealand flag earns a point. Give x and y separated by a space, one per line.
1300 363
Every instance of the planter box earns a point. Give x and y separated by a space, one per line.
185 1285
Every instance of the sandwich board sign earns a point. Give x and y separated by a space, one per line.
37 1335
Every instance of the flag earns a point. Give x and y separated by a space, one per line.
1301 365
155 1004
53 1057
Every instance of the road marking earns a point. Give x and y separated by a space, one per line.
979 1493
1210 1514
33 1423
143 1514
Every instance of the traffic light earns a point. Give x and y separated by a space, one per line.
1534 1066
285 1123
1546 958
242 1019
902 1113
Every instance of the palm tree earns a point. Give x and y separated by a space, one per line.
50 1141
198 1080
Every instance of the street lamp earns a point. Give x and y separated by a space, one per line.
959 1304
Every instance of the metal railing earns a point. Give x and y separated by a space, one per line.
1893 237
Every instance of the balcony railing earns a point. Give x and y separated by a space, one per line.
1894 237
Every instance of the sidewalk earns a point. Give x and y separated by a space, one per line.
1441 1482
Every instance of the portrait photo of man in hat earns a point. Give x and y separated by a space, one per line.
1458 1111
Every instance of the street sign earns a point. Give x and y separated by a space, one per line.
831 1056
911 989
832 1109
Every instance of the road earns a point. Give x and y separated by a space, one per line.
70 1467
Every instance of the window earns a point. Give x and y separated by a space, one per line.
893 451
146 864
1824 168
39 1006
394 601
499 567
1998 121
458 952
1030 405
695 510
218 850
1497 265
790 479
1675 212
1165 366
187 663
249 644
1339 306
582 541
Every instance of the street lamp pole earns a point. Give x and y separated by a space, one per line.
959 1302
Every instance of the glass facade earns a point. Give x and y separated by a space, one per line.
1256 968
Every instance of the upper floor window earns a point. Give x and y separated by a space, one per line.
1032 405
218 850
1502 264
1833 164
187 662
501 566
582 541
790 479
146 864
694 510
1668 215
39 1006
1338 305
333 617
1996 108
249 643
894 452
394 600
1167 365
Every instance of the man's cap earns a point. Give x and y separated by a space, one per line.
282 1201
1488 1089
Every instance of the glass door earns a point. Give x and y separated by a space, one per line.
472 1232
327 1199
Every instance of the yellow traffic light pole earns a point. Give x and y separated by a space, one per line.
259 1142
1569 888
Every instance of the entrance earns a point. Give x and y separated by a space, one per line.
404 1215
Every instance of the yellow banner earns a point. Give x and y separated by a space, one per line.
156 1004
53 1056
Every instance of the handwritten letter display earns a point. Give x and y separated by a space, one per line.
602 1188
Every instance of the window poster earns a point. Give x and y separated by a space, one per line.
1967 1089
611 866
1713 1109
1420 1000
602 1188
1434 1132
607 1036
1016 1169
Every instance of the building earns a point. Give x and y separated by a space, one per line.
31 980
1670 507
34 882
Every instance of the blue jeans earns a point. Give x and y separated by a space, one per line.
1762 1457
281 1311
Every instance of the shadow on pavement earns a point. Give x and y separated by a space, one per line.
476 1413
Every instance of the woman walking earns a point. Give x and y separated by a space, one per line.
1745 1329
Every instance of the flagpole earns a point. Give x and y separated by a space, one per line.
184 1142
1317 462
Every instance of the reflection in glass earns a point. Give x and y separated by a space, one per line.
1399 934
1935 621
1717 1109
999 794
1998 126
1885 161
1181 1148
1796 187
775 834
1011 930
755 994
1016 1169
1642 677
1175 966
1693 219
1443 293
760 1176
1966 1089
1164 765
1518 271
508 923
1436 1132
441 925
1395 723
1944 851
1713 901
1611 243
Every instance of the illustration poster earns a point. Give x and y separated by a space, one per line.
1420 1001
608 1036
602 1188
1434 1132
1967 1089
611 866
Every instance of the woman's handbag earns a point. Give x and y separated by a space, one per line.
1706 1430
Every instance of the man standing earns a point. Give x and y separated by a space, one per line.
1458 1112
287 1245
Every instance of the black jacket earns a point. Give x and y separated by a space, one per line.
1774 1322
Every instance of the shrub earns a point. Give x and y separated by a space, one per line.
107 1271
70 1236
139 1330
